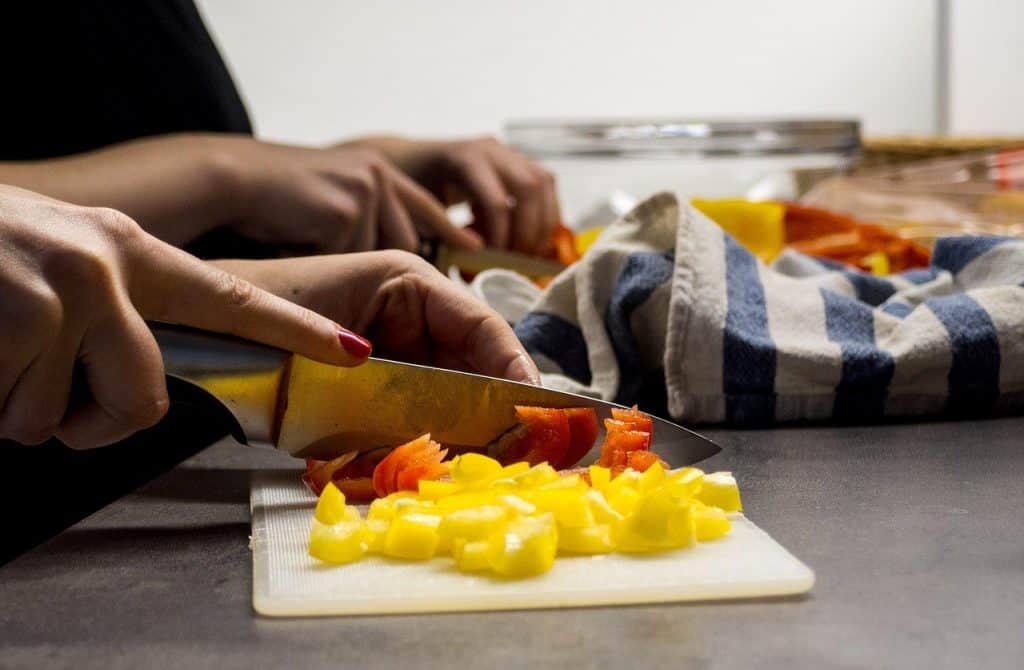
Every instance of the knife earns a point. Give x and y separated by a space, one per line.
444 257
314 410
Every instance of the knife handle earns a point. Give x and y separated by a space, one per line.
243 376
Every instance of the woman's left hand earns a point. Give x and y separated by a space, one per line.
514 200
402 304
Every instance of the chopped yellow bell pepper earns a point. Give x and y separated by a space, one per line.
711 522
331 507
759 226
526 547
651 479
472 556
473 523
542 473
516 505
568 505
719 490
376 532
514 520
592 540
469 468
434 489
599 477
684 482
602 510
337 543
413 536
466 499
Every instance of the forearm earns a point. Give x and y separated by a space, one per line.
176 187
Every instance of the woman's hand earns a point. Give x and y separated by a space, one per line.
409 309
76 285
298 199
514 200
338 199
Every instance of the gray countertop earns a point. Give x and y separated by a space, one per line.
914 532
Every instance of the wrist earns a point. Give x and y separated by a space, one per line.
226 172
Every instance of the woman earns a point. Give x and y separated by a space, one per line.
137 105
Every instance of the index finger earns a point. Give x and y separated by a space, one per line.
178 288
428 212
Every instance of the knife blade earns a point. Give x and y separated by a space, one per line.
485 259
313 410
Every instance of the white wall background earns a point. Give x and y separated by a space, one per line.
316 70
987 67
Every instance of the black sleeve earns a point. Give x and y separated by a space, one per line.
82 74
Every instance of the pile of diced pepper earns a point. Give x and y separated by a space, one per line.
512 521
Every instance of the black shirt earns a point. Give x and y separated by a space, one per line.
75 76
82 74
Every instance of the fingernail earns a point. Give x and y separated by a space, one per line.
353 344
522 369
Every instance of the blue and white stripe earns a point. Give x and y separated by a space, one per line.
670 311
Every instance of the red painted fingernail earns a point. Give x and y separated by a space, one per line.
353 344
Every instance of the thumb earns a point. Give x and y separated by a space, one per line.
170 285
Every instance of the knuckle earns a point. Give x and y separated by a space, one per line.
115 224
143 410
28 430
363 184
236 291
527 182
146 412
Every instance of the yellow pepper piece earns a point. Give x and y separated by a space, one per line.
465 500
592 540
375 531
413 536
685 482
526 547
516 505
878 263
651 479
387 508
623 501
568 506
542 473
469 468
330 507
599 477
473 523
586 238
660 520
759 226
571 482
627 480
433 489
602 510
337 543
472 556
711 522
719 490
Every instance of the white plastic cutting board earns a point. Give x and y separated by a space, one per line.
288 582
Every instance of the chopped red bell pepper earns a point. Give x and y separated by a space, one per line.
582 434
542 436
410 456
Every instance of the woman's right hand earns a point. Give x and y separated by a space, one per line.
78 283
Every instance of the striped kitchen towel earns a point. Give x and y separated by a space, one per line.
669 311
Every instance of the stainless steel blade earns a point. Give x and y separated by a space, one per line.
330 410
